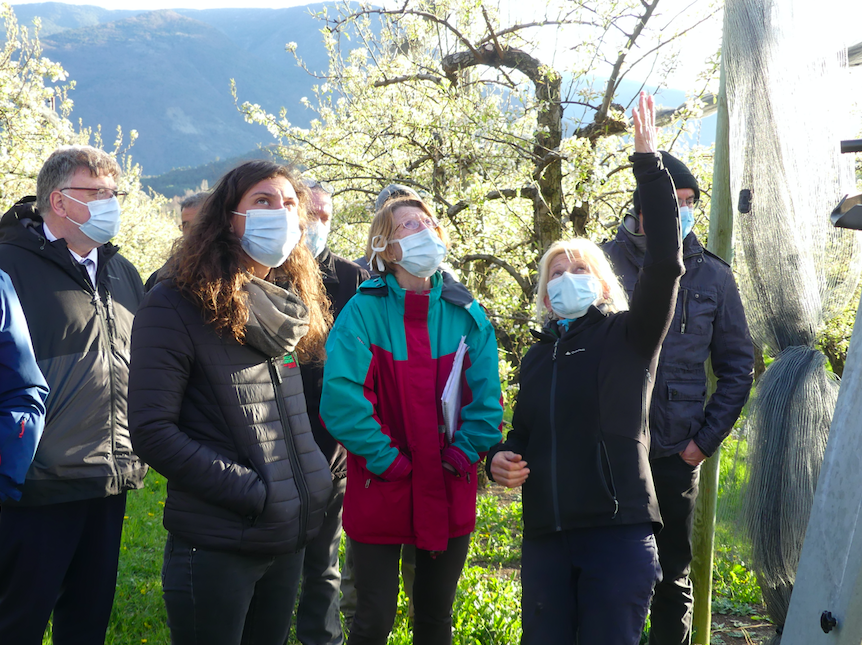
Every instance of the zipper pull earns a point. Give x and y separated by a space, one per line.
556 342
367 482
275 370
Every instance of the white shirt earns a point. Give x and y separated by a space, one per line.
90 261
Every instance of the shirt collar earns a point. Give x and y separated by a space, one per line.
93 255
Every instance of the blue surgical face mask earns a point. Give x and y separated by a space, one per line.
316 235
572 294
104 222
421 253
270 235
686 220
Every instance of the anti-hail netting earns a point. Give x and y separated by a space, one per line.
787 116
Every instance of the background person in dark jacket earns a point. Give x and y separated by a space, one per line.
317 618
189 209
60 543
216 405
579 441
708 322
23 391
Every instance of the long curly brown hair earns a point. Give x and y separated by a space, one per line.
210 268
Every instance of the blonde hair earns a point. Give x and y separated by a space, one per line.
383 227
597 262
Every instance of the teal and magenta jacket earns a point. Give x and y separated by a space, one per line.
388 358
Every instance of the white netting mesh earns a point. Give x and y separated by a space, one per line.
788 114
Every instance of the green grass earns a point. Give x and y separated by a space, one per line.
487 604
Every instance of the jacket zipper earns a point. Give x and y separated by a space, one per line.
554 491
298 475
104 315
684 311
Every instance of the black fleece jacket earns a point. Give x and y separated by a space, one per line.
581 417
341 278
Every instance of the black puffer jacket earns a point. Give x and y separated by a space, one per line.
226 424
581 417
81 342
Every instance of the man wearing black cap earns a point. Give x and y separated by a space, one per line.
709 322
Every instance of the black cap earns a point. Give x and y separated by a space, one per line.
679 172
394 190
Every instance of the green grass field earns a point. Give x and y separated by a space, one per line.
487 606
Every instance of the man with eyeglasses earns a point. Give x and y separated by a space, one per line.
685 428
59 544
318 621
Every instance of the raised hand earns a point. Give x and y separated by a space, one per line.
646 139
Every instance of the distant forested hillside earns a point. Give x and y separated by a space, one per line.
167 74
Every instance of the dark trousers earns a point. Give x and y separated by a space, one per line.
588 586
225 598
376 570
676 488
317 618
60 558
348 583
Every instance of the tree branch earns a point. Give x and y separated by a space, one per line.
527 192
525 284
411 77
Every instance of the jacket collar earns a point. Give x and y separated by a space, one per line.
691 246
551 331
326 263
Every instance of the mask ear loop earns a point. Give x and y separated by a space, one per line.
375 253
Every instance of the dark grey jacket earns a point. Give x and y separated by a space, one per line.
81 342
709 321
225 423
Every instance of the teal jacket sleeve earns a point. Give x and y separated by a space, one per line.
348 399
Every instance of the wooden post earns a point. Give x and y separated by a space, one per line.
721 243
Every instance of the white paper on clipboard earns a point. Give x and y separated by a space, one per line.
451 398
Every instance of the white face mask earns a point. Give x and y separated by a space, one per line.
270 235
686 220
316 235
572 294
421 253
104 222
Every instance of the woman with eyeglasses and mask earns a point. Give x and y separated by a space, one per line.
579 442
409 479
216 406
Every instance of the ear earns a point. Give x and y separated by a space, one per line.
58 207
547 302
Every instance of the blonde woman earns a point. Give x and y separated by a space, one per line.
579 442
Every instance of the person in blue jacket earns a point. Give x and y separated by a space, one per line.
23 391
686 426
